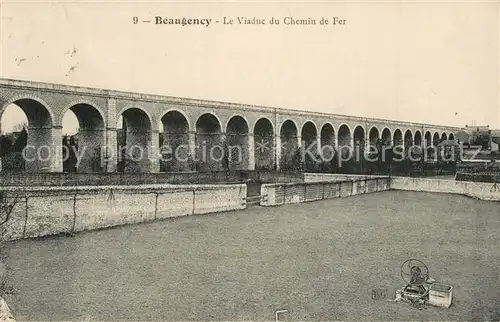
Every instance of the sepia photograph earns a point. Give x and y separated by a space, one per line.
249 160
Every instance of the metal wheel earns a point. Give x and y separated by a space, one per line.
414 272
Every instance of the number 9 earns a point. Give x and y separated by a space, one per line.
136 20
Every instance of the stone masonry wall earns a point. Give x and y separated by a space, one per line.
47 211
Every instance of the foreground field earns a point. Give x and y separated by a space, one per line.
318 260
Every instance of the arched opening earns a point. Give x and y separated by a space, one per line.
210 149
359 142
408 139
344 141
418 138
27 143
289 144
428 139
309 136
398 138
82 149
435 139
264 145
386 137
443 137
373 136
237 143
451 137
174 143
134 139
327 142
359 135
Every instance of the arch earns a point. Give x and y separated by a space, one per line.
82 102
417 138
263 118
134 107
359 135
428 139
309 137
327 125
407 139
238 117
208 123
38 135
344 139
89 117
26 98
386 136
359 140
264 145
397 137
174 142
327 138
443 137
237 136
136 136
451 136
289 143
173 122
327 134
209 142
89 140
288 125
309 123
435 138
373 135
237 124
309 133
181 112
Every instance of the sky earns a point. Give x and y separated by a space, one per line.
432 62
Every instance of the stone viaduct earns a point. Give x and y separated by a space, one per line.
189 127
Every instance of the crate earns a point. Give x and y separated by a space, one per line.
440 295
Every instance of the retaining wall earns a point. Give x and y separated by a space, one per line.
286 193
46 211
481 190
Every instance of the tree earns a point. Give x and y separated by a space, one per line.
6 206
5 145
20 126
21 141
95 160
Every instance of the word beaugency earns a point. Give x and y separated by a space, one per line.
182 21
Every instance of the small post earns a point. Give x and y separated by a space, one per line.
74 213
194 200
26 215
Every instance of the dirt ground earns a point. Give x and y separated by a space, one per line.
319 261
